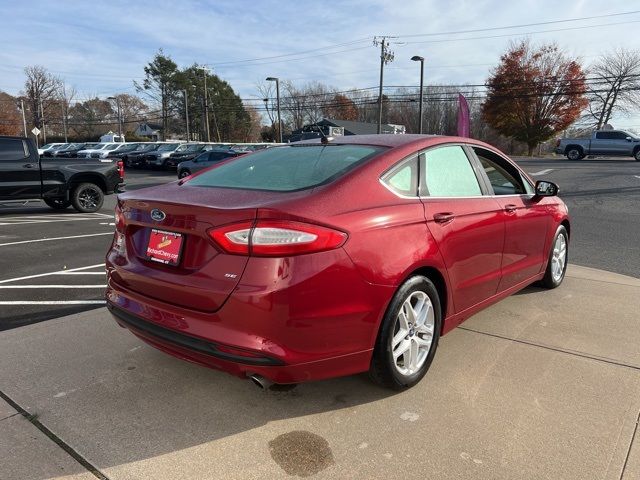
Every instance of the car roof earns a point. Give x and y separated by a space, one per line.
398 141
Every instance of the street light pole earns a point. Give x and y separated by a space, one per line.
275 79
186 112
417 58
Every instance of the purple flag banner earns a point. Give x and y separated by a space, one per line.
463 117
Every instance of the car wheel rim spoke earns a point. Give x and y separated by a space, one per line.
413 333
559 258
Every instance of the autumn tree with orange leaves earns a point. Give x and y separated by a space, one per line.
534 93
341 108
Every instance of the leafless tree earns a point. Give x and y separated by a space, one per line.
615 86
40 89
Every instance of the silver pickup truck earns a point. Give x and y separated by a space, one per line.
614 143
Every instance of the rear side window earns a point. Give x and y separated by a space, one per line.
403 178
449 173
12 149
289 168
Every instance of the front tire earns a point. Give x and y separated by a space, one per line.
636 155
558 259
87 198
408 335
184 173
57 203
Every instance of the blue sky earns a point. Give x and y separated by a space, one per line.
100 47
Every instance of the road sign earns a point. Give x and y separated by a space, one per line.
35 131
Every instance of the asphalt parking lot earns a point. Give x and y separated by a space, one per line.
51 262
543 385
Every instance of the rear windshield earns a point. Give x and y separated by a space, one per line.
285 169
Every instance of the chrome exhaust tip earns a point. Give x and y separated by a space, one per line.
261 382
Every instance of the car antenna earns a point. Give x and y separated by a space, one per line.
325 139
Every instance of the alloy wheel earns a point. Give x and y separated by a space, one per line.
413 333
89 198
559 258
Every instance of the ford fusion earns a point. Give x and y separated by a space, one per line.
333 257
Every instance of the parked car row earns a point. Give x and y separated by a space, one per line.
156 155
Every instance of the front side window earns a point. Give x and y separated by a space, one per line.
12 149
288 168
448 173
505 179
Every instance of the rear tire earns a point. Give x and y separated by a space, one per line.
57 203
87 198
558 259
575 153
411 325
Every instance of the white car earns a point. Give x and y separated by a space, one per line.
97 148
108 150
50 146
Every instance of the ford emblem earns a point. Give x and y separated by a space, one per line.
157 215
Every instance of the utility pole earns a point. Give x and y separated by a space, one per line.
24 120
206 103
386 57
44 130
119 116
186 113
215 118
64 119
277 80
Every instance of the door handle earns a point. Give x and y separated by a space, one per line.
443 217
510 208
29 165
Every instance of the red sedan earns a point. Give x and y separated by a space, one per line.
321 259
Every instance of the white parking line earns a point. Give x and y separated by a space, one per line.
17 287
637 176
28 219
54 302
82 273
54 238
57 272
542 172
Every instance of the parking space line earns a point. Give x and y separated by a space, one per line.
27 222
82 273
57 272
542 172
54 238
54 302
17 287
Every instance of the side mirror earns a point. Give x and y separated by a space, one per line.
546 189
628 139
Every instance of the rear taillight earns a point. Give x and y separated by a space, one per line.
121 170
276 238
119 219
119 245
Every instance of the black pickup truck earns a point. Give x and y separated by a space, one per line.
60 182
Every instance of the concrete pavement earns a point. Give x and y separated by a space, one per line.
545 384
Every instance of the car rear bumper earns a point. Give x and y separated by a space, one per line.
287 335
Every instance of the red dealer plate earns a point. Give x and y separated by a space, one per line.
164 247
